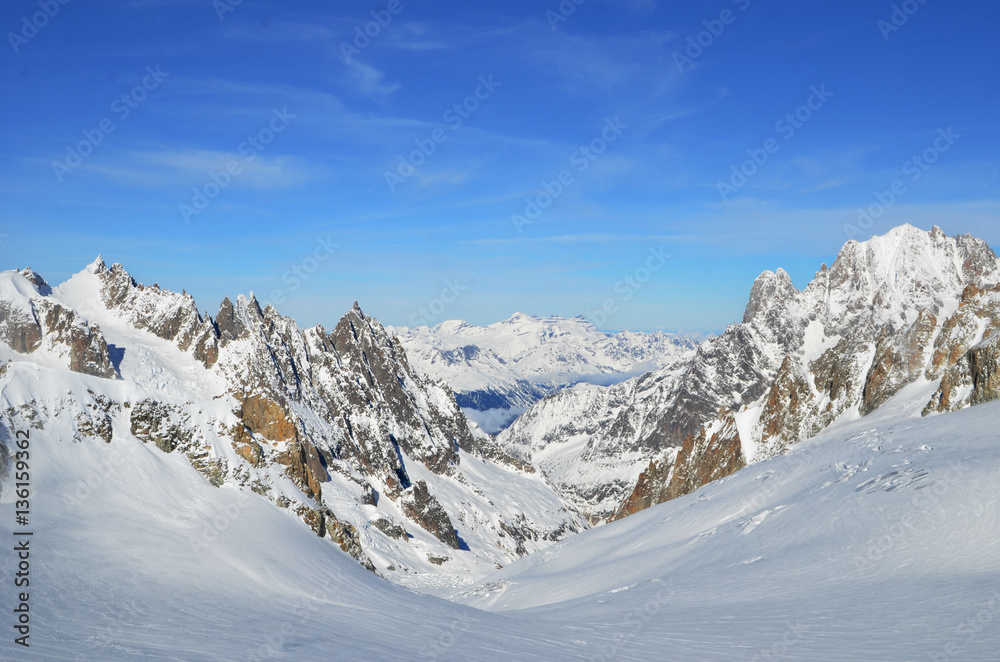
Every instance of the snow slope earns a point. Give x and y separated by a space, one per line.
879 540
499 370
874 541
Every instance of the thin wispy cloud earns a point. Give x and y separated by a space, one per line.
160 168
583 239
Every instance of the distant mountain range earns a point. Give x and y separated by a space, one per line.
498 371
362 433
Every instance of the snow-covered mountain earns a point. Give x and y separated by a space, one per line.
498 371
334 429
908 307
874 541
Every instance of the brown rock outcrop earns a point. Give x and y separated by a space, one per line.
323 522
650 489
421 506
984 364
899 360
703 458
305 467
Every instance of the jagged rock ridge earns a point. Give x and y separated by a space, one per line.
335 427
901 308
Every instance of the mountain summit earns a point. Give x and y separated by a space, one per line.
909 306
333 428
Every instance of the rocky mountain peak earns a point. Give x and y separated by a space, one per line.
97 266
335 427
40 285
907 305
771 290
31 320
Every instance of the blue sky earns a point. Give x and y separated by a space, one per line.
330 116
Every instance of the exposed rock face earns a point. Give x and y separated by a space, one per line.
324 523
877 320
163 425
229 324
976 320
715 453
421 506
651 488
984 364
166 314
375 361
785 408
390 528
30 319
356 379
85 345
266 418
305 467
899 360
286 412
19 328
95 419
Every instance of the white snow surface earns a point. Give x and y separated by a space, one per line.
874 541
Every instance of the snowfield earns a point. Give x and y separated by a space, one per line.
878 539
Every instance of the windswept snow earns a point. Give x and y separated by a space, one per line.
877 541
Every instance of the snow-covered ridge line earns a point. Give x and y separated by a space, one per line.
334 428
908 306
